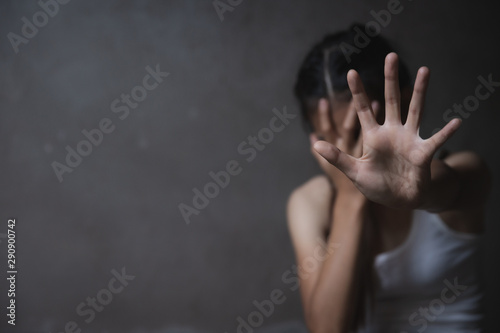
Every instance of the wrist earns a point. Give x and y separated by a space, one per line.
350 199
346 189
349 209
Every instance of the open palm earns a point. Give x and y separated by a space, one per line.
394 169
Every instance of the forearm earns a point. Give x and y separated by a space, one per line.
443 190
328 305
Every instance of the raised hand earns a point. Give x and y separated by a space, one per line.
394 168
343 137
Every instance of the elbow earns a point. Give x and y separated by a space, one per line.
474 177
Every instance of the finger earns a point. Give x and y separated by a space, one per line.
361 101
313 138
418 99
357 150
325 120
350 125
322 162
345 163
351 119
438 139
392 92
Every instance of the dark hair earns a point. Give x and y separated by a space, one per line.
324 71
367 60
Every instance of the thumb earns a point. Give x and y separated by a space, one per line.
313 138
342 161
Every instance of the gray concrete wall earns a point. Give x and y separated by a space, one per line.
119 207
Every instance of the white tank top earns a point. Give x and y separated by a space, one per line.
431 283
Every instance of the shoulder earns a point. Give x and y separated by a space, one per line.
310 202
313 192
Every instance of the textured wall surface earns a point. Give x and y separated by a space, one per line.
119 206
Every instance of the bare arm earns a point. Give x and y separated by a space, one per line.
330 299
327 291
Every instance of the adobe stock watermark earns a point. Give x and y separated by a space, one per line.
222 6
29 29
381 19
265 308
483 91
121 107
448 295
221 179
103 297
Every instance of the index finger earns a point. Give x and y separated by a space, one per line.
361 101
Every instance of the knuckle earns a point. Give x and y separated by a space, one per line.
391 99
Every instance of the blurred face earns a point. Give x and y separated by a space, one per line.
339 108
343 102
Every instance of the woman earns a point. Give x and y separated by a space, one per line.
403 227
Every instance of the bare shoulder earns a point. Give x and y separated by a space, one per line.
475 180
315 191
309 203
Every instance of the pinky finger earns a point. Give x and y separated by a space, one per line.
438 139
